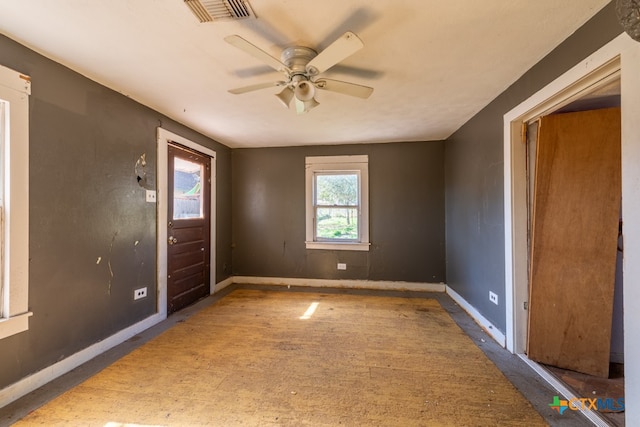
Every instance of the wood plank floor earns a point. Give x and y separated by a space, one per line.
259 357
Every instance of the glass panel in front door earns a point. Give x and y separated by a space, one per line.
187 189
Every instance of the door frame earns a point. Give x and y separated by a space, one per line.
628 52
164 137
582 79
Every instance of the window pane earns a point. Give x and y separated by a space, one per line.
187 189
337 189
337 223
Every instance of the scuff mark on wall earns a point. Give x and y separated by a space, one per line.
140 261
109 283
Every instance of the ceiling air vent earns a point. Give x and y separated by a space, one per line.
215 10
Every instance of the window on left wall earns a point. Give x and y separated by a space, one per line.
15 89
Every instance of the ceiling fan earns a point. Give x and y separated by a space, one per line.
301 67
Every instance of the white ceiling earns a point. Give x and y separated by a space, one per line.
433 63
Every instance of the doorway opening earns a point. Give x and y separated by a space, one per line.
593 84
166 140
575 247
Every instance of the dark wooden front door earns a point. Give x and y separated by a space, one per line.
188 228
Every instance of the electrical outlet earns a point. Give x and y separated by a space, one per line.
140 293
493 298
151 196
342 266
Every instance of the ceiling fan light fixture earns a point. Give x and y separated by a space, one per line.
305 91
285 96
308 105
305 106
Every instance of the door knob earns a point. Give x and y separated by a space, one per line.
172 240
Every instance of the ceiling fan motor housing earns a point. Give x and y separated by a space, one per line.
296 59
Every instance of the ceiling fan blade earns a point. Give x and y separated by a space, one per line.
251 88
344 88
256 52
358 72
340 49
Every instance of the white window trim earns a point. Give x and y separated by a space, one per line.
15 89
336 164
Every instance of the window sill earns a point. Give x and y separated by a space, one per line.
333 246
14 325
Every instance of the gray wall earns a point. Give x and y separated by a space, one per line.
406 191
474 168
85 203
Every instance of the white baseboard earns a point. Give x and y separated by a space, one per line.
223 284
40 378
343 284
479 318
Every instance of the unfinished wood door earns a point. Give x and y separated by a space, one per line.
188 250
574 240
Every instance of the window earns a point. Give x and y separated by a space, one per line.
337 202
187 189
14 202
